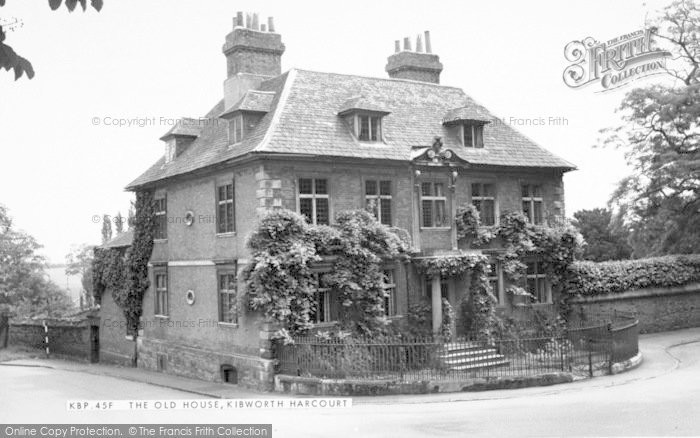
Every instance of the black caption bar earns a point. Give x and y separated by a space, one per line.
134 430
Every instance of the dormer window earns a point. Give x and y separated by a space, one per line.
235 129
473 135
364 118
369 128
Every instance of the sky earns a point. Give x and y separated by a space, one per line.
64 160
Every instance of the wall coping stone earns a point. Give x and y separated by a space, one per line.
639 293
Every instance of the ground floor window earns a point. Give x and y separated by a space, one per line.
228 299
161 292
390 289
324 310
495 282
537 284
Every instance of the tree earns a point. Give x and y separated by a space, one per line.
119 223
106 229
660 201
18 261
605 240
11 60
79 262
24 287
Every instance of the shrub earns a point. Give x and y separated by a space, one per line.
590 278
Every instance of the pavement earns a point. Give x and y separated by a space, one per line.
657 361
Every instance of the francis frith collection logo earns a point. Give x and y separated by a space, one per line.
613 63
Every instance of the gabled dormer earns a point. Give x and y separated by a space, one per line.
364 118
244 115
180 137
468 122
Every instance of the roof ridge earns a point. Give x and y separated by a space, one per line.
279 108
377 78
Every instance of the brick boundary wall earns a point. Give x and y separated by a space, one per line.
658 309
66 338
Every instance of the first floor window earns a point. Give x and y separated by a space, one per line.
433 205
390 293
537 282
313 200
161 213
161 290
225 215
532 203
228 299
378 200
484 199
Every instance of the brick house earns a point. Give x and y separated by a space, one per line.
320 143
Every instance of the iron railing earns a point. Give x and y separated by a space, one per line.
585 348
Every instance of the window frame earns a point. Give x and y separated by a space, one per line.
161 217
444 287
236 129
433 199
227 201
482 198
477 135
390 309
533 201
227 271
326 310
380 199
357 125
540 277
161 296
314 196
496 276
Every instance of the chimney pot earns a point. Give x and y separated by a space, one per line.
397 46
248 21
419 44
270 24
428 46
407 44
256 22
263 28
239 19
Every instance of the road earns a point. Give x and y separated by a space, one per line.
661 397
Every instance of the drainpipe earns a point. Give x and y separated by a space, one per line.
436 300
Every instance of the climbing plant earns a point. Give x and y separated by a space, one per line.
281 280
556 247
130 297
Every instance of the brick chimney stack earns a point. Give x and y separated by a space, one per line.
253 54
415 65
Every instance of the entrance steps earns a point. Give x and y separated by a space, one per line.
464 356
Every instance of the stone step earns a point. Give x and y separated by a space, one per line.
474 359
469 353
476 366
469 345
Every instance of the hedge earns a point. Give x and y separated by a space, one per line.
591 278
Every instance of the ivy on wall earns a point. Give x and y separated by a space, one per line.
556 247
126 275
281 279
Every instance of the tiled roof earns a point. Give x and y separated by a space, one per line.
303 119
253 100
185 126
122 240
